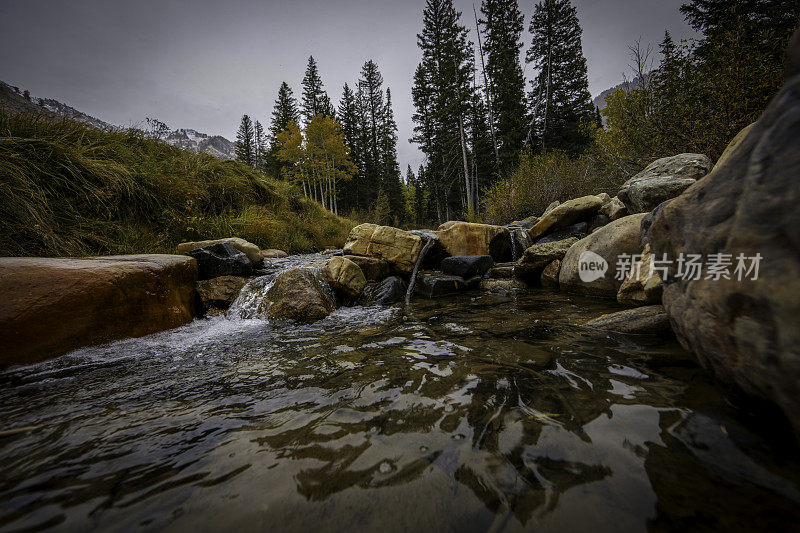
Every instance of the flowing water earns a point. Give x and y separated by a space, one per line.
472 413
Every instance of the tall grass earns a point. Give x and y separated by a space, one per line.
67 189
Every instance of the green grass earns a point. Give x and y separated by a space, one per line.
70 190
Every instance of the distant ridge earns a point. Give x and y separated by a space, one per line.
188 139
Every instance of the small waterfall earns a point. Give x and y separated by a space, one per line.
430 240
250 297
513 233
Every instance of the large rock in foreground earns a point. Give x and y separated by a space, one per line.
298 294
247 248
663 179
468 238
746 332
52 306
621 237
398 247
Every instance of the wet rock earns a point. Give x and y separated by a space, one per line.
220 292
501 271
467 266
745 332
609 242
467 238
614 209
298 294
345 277
550 273
432 284
502 286
579 230
663 179
525 223
643 285
566 214
650 320
52 306
373 269
221 259
540 255
272 254
247 248
398 247
390 290
521 241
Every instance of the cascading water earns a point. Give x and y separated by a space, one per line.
430 240
513 234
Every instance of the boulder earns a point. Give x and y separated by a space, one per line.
650 320
663 179
373 269
605 197
540 255
345 277
390 290
298 294
643 285
432 284
52 306
468 238
501 271
648 219
272 254
467 266
526 223
221 259
579 230
733 144
398 247
220 292
566 214
745 332
621 237
502 285
614 209
247 248
550 273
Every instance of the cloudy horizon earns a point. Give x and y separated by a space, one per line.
203 64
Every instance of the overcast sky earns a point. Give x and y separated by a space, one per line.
202 64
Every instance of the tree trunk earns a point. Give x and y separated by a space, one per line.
467 184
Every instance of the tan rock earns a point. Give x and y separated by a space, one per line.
297 295
550 274
609 242
614 209
736 141
248 248
373 269
273 254
508 284
51 306
643 286
468 238
345 276
398 247
566 214
220 292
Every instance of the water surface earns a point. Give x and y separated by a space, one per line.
475 412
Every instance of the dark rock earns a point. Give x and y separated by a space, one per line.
432 284
745 332
649 320
221 259
648 219
220 292
579 230
373 269
598 221
467 266
390 290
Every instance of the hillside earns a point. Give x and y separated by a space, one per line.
71 189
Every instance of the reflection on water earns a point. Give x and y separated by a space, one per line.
471 413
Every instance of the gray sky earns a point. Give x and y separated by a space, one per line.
202 64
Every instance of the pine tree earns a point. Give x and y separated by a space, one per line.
503 26
315 99
284 111
370 87
351 191
390 171
244 147
443 94
259 147
562 105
